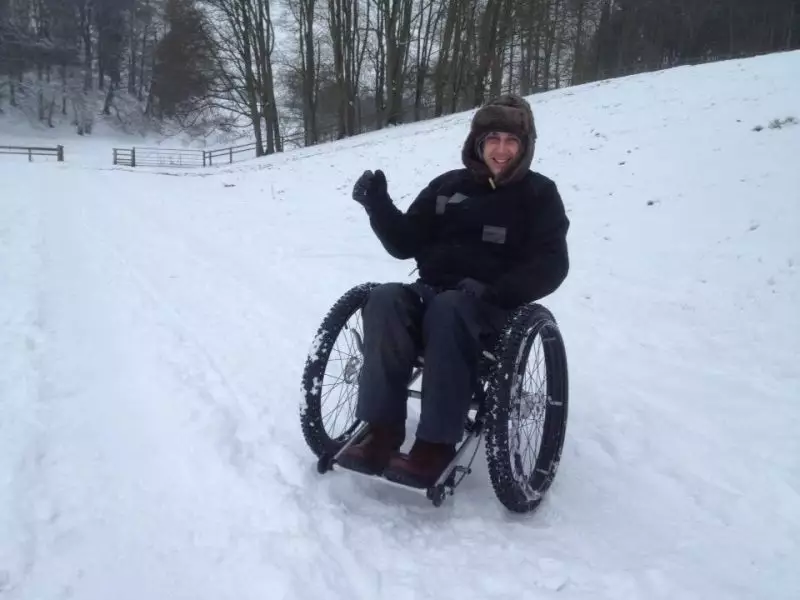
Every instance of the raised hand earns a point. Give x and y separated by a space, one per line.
371 189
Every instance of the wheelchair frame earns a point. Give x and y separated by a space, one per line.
491 404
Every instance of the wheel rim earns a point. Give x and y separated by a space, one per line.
527 413
339 388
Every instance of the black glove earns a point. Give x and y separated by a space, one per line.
370 189
473 287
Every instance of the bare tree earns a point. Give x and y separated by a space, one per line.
427 20
304 11
396 18
348 46
425 58
247 43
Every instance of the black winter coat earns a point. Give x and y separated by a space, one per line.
513 238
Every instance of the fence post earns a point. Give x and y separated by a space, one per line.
115 156
204 158
231 151
60 153
133 157
30 155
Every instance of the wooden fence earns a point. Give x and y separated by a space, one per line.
229 153
30 152
168 157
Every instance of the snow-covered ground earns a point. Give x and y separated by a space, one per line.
154 326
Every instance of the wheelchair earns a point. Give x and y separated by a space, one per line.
500 405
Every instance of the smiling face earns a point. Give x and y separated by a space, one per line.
499 150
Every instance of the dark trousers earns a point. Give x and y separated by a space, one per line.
449 329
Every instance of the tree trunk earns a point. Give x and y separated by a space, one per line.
398 31
556 25
131 56
86 28
336 31
489 45
263 46
380 65
504 33
308 71
460 75
577 65
446 62
424 48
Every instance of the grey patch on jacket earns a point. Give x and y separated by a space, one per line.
443 201
495 234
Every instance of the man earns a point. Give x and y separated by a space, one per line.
486 238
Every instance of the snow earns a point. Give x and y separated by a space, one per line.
155 325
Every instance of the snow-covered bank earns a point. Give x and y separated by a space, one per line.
154 327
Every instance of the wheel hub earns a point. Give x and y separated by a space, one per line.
352 370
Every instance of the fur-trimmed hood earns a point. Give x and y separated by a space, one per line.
509 113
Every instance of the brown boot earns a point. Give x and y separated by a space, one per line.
371 455
421 467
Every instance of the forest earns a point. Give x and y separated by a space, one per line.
300 72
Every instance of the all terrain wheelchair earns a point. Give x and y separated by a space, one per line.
502 401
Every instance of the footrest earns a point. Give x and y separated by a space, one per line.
406 479
347 462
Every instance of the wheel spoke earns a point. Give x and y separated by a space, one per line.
345 358
528 404
332 373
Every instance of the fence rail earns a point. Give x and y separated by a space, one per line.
229 152
168 157
32 151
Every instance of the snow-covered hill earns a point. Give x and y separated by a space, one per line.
154 325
